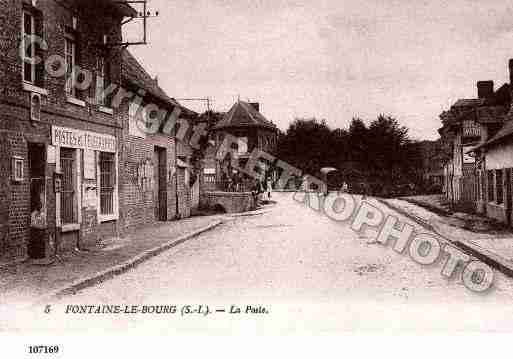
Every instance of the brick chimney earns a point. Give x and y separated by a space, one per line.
511 72
484 89
255 105
510 114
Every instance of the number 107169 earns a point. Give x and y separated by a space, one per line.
43 349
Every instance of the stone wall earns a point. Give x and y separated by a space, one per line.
231 202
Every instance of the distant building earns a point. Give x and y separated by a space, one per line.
251 130
469 123
432 164
495 169
496 161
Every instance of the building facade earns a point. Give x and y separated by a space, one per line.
495 167
60 137
469 123
79 163
496 156
250 130
155 172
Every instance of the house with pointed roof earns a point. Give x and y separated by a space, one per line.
467 124
495 169
252 130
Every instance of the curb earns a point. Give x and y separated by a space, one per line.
436 210
249 214
114 271
502 264
412 217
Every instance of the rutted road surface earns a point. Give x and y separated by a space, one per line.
309 272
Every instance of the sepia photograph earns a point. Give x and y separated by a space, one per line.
274 168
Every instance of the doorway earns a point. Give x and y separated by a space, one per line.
160 171
38 206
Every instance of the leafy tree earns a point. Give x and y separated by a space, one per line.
381 152
307 144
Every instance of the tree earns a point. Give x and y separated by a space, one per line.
381 153
388 149
308 145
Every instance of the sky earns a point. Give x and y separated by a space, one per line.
329 59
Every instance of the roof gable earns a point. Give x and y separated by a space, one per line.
243 114
505 132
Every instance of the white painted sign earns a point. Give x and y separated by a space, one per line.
90 197
73 138
89 164
50 154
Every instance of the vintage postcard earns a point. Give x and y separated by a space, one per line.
277 167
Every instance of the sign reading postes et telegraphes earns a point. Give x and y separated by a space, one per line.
70 137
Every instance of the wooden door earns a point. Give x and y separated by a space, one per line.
160 176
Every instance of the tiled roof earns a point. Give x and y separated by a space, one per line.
243 114
123 7
481 114
134 73
120 6
490 114
472 102
505 132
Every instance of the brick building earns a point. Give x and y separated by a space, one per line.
60 138
155 171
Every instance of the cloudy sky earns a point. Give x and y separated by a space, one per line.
332 59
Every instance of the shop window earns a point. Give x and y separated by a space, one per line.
491 186
499 186
68 186
107 183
